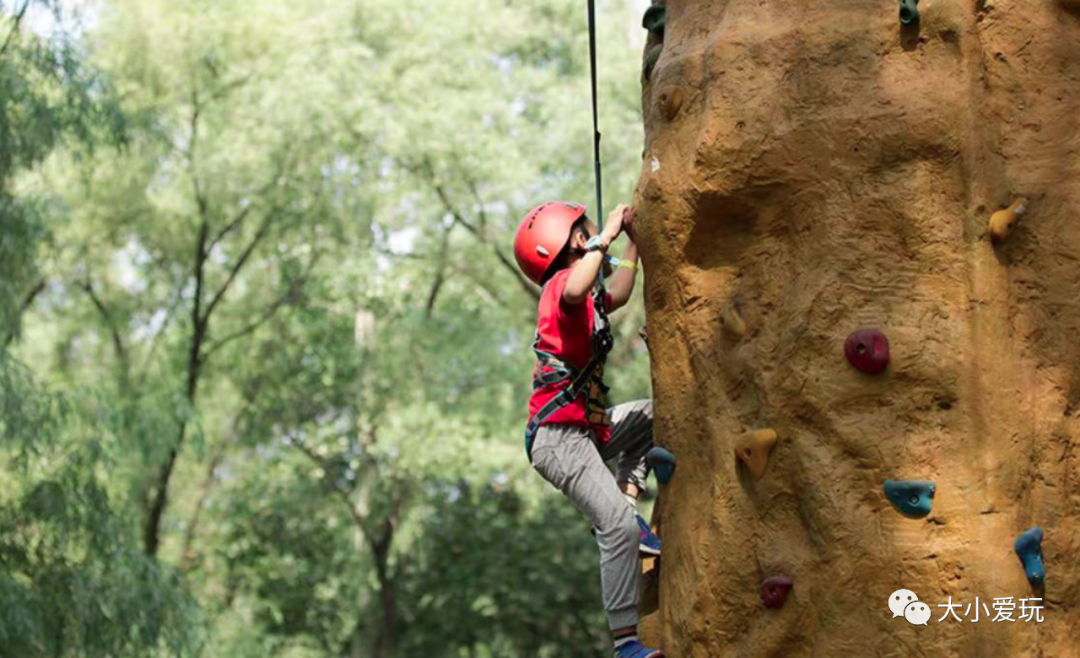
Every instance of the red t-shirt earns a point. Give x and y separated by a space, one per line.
565 332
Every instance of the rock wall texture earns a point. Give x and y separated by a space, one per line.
815 168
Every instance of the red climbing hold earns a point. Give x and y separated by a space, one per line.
774 591
867 350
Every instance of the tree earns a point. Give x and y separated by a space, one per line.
295 290
70 582
221 206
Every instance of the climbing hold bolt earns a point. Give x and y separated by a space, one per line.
909 12
867 350
651 58
655 17
753 449
911 498
1002 222
1029 548
662 463
774 591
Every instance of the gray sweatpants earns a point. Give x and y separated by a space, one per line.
567 457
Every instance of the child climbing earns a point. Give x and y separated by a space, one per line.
571 434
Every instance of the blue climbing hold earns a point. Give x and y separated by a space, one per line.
911 498
1029 548
662 463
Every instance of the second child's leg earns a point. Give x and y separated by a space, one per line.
631 440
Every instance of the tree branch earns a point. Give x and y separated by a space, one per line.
526 284
160 496
266 316
481 213
440 275
36 290
246 210
228 228
117 339
16 22
201 201
156 340
343 496
198 324
237 266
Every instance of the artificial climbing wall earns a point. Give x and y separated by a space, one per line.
812 169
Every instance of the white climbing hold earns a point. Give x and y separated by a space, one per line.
655 164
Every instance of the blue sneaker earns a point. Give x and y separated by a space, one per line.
649 543
636 649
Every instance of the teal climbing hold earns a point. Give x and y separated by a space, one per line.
911 498
662 463
1028 547
909 12
654 20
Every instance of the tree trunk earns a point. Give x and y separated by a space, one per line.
160 496
385 648
814 169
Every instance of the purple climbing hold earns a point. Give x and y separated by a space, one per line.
774 591
867 350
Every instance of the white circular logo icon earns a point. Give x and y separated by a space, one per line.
917 613
899 600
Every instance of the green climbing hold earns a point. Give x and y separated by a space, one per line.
909 12
655 17
651 58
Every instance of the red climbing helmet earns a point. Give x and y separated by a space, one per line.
543 234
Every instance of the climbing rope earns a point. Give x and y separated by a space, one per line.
596 125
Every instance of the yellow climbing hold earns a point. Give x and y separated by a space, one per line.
732 322
1002 222
671 101
753 449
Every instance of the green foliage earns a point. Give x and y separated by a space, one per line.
286 310
46 95
288 555
494 576
72 583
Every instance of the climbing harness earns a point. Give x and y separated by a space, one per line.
551 370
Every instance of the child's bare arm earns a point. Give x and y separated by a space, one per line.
583 275
622 282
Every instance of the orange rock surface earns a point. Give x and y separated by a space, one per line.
821 169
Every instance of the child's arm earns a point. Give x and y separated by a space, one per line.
583 275
622 282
